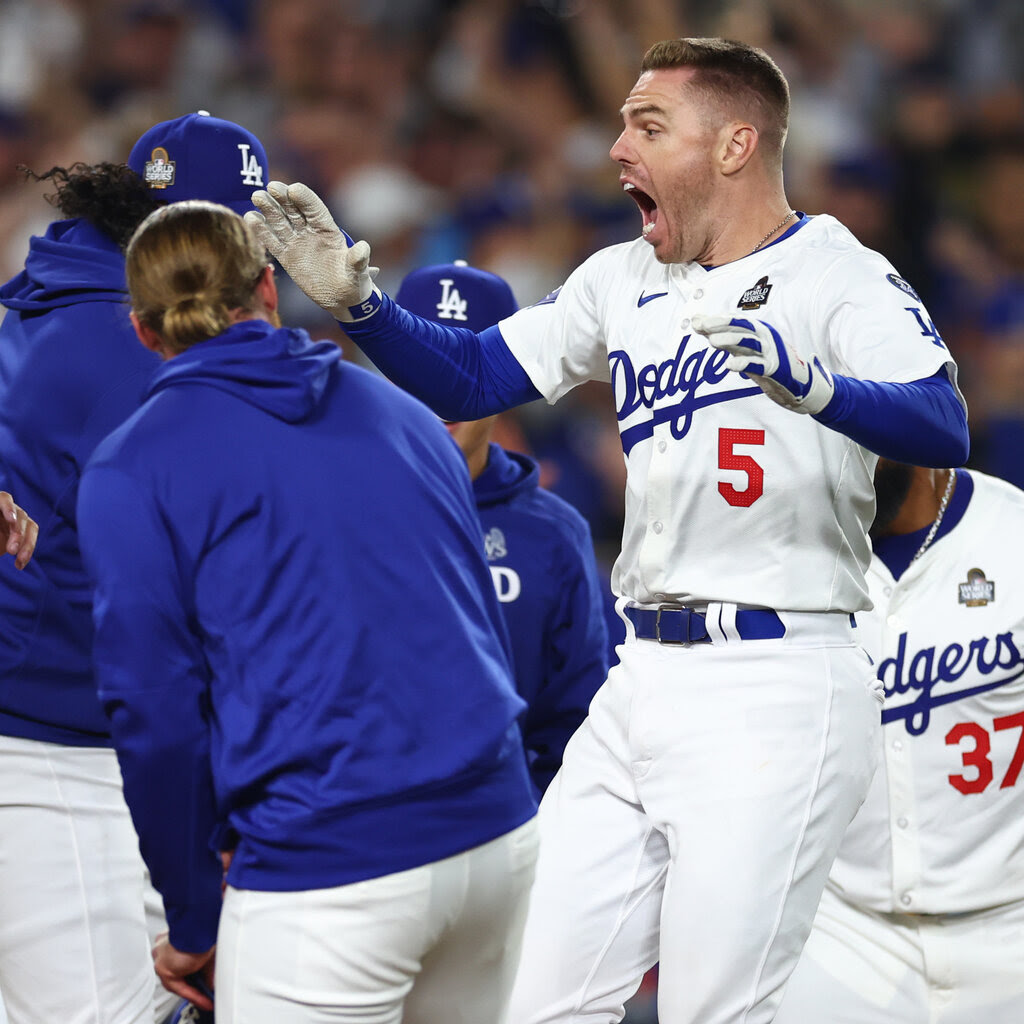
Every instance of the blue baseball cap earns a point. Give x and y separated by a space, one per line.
201 157
457 295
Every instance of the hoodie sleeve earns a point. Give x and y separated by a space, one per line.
575 657
153 684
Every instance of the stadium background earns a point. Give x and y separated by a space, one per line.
479 129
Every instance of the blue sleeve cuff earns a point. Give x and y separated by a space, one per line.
922 423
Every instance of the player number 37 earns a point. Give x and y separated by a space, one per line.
976 758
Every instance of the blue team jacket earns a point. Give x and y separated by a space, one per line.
71 370
542 559
297 635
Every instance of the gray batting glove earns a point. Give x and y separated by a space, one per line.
298 231
758 351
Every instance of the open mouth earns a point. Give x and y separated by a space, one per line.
648 207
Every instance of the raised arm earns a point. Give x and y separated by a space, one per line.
461 375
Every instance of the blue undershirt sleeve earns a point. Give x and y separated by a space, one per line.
922 423
461 375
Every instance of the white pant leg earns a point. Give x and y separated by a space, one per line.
748 760
592 926
360 953
862 967
73 941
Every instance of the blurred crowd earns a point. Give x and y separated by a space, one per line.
479 130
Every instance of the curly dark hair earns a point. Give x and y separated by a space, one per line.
112 197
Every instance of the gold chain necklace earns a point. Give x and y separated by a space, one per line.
770 233
938 519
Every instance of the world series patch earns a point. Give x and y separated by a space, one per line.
756 297
159 169
977 591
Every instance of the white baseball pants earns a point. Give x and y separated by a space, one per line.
434 945
694 821
862 967
74 943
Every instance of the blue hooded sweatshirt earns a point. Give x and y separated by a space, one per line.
297 636
542 559
71 370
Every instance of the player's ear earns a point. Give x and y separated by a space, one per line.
738 142
149 338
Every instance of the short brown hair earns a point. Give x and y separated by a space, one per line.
189 266
728 71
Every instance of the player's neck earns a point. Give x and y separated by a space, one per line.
922 503
752 226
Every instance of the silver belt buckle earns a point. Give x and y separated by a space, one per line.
657 624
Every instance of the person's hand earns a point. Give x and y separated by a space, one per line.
299 232
18 531
173 968
758 351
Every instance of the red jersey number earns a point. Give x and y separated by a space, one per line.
728 459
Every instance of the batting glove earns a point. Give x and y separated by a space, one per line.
757 351
299 232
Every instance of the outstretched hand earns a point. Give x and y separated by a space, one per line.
18 531
296 227
757 350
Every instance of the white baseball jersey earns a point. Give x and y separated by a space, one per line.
730 497
942 829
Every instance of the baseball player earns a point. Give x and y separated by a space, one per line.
922 920
538 546
301 651
74 929
759 358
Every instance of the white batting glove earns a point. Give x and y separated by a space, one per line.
757 351
298 231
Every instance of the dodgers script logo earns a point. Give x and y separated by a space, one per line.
931 669
252 173
452 305
680 376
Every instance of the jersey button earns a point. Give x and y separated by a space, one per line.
699 293
902 822
906 899
887 591
897 745
893 621
662 445
657 527
685 323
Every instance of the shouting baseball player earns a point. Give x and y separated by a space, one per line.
538 546
759 358
922 921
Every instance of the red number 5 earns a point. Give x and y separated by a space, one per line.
728 459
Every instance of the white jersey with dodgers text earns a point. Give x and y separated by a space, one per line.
730 497
942 829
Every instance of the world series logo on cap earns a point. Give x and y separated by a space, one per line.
159 171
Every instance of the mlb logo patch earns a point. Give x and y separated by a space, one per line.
159 169
977 591
756 297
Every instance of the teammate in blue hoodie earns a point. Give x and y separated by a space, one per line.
539 547
74 939
302 655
